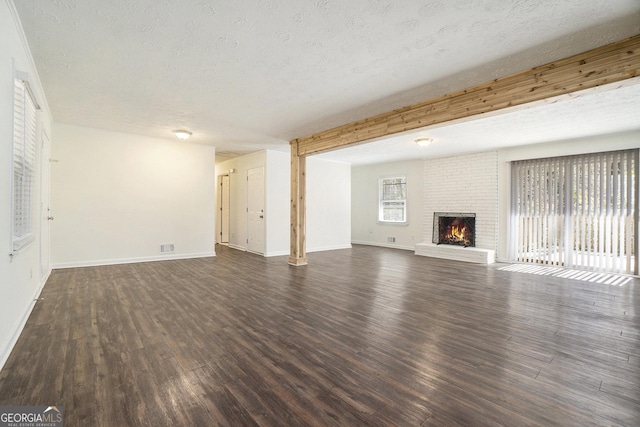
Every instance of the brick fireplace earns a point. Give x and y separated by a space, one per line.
461 184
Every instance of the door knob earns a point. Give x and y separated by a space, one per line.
50 218
261 216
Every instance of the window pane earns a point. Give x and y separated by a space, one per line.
393 211
394 189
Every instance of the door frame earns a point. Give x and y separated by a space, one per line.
45 205
221 208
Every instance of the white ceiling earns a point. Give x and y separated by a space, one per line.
253 74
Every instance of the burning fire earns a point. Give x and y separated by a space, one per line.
454 230
458 233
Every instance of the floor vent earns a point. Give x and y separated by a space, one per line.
167 247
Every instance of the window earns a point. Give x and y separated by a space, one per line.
24 164
577 211
392 206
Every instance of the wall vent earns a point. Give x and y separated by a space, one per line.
391 239
167 247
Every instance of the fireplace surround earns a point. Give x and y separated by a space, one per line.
454 228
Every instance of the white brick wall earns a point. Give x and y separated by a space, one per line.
467 183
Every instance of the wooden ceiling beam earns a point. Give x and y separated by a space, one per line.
607 64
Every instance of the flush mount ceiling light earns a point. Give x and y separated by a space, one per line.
182 134
423 142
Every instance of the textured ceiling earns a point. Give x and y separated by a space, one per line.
251 74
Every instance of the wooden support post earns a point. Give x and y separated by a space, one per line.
636 215
298 254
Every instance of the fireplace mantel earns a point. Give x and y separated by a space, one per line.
456 253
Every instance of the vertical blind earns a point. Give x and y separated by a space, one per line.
24 165
577 211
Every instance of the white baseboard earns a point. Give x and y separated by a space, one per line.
319 249
96 263
328 248
353 242
276 253
383 245
23 321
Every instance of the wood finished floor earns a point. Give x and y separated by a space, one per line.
368 336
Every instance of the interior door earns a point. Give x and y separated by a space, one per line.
224 204
255 210
45 211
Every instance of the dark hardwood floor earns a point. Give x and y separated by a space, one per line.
368 336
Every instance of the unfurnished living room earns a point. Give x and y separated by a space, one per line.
322 212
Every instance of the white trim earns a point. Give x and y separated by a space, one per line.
276 253
393 224
239 248
23 321
19 245
329 248
96 263
383 245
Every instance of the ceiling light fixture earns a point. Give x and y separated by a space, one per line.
182 134
424 142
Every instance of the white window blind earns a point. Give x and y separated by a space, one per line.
392 206
24 165
577 211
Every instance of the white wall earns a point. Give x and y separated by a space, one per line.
21 275
593 144
365 228
278 190
117 197
328 205
466 183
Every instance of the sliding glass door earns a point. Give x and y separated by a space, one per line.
577 211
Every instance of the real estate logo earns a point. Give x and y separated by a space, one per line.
31 416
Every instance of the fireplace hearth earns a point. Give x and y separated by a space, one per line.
457 229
